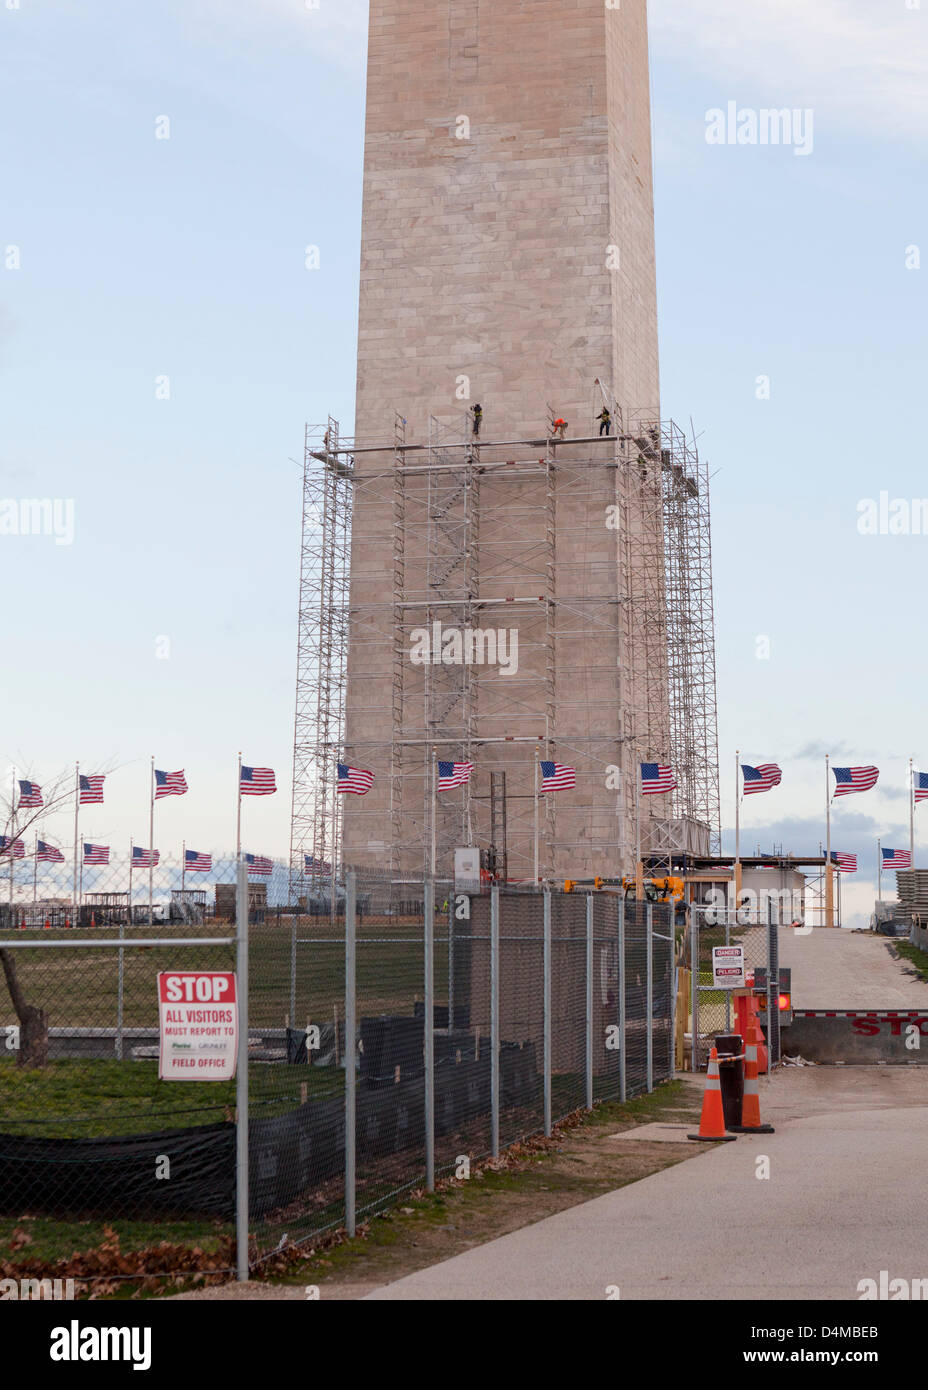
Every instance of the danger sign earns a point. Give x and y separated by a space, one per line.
728 967
198 1012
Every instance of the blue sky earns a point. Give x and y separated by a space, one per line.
142 258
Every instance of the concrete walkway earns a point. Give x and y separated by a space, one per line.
837 969
842 1203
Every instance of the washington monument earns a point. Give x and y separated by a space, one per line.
507 263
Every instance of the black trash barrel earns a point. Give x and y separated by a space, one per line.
730 1047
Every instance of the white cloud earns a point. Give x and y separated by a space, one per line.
860 63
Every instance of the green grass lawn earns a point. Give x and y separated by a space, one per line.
915 955
80 989
93 1099
50 1240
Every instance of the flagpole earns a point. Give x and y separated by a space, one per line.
434 813
879 869
131 848
333 885
238 824
737 828
35 872
77 805
911 814
839 898
639 871
183 867
151 847
829 882
12 845
535 775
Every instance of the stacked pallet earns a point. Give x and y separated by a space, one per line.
912 891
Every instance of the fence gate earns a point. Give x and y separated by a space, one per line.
712 1009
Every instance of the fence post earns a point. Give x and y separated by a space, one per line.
119 994
451 906
621 992
773 989
546 1008
728 991
494 1020
694 986
589 1001
351 1024
293 971
674 974
649 995
241 1075
429 1035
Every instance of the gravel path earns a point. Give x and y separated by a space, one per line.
837 969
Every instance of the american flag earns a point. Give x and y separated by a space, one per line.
318 865
897 859
170 783
921 786
19 849
854 779
453 775
760 778
91 790
196 863
145 858
847 863
30 794
556 777
257 781
656 778
257 864
96 854
354 779
48 854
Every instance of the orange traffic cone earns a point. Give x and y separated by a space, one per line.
48 925
712 1119
750 1106
763 1060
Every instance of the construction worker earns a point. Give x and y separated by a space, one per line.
605 421
559 428
478 420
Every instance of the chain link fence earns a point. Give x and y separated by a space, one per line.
88 1132
541 1003
752 928
397 1033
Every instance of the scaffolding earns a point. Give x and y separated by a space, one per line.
322 643
690 633
596 549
